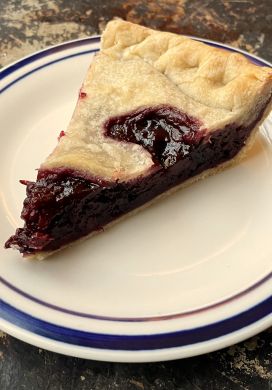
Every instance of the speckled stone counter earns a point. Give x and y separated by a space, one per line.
30 25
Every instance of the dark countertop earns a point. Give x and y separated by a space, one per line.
29 25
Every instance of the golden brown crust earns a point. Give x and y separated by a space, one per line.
139 67
211 76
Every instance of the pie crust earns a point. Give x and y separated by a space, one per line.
140 71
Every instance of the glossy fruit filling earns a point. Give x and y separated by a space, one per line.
165 132
61 206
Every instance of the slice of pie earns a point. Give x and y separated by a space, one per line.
155 112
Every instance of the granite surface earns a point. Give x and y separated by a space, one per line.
29 25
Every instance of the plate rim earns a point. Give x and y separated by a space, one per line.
121 356
9 69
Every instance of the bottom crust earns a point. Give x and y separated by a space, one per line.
203 175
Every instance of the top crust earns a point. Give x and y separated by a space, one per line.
213 77
138 67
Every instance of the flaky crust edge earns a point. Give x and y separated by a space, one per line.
233 81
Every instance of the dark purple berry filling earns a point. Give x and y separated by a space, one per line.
62 206
168 134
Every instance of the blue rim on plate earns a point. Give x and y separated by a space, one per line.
136 342
123 342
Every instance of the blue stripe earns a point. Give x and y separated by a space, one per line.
51 50
135 342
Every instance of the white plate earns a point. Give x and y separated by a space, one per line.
189 275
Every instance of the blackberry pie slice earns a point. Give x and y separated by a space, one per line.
156 111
